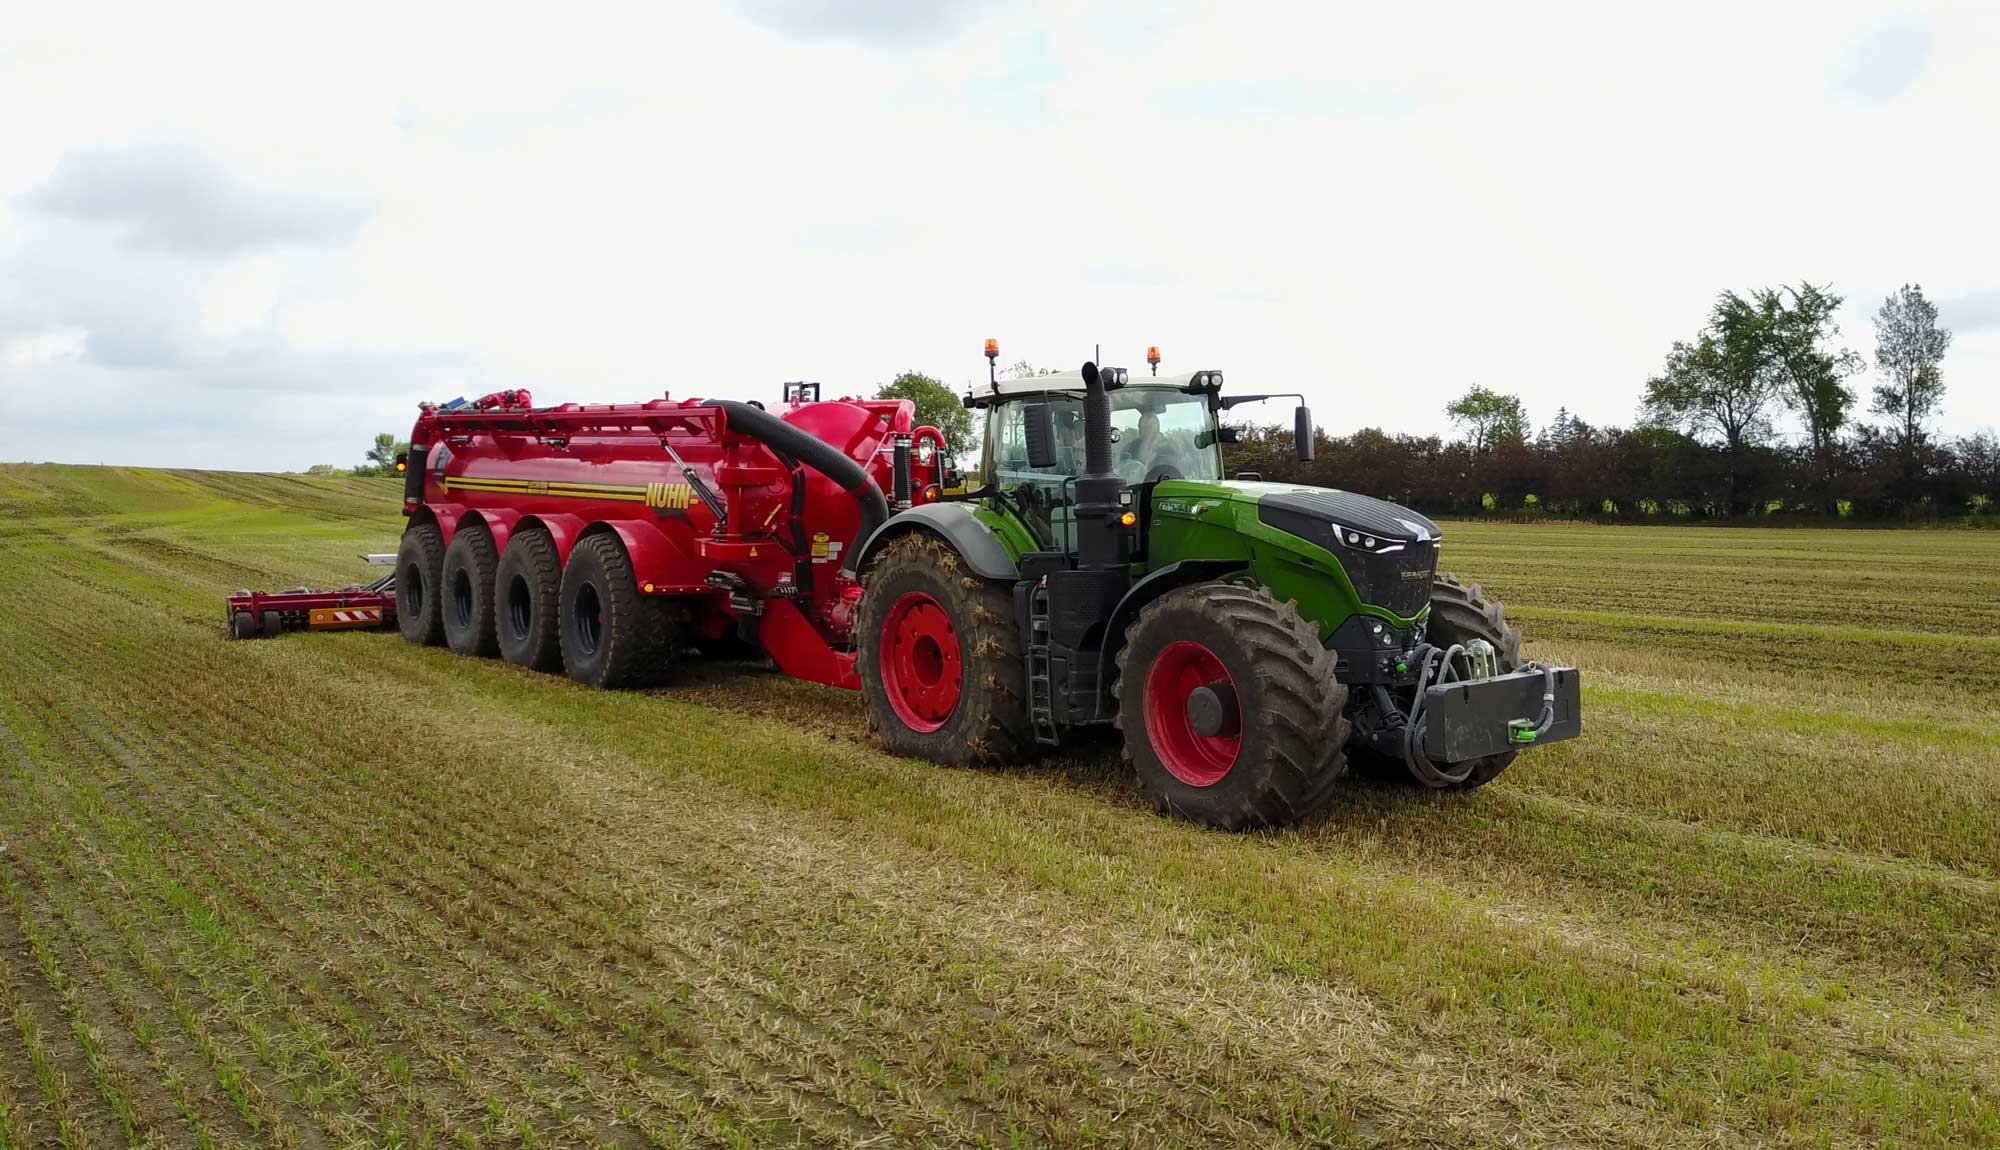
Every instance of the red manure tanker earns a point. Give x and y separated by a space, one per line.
599 539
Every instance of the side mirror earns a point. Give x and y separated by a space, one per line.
1040 426
1227 434
1302 432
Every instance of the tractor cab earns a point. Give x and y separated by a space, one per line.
1160 429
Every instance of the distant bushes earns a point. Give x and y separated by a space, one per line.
1572 470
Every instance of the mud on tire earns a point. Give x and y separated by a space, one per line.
1289 756
977 640
419 580
612 636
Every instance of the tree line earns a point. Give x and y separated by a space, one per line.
1705 444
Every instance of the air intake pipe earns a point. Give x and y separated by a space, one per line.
1102 541
816 453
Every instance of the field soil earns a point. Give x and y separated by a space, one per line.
335 890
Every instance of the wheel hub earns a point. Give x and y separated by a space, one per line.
1192 714
921 671
1211 710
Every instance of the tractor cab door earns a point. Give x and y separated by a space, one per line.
1043 497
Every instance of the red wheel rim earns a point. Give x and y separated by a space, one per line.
920 666
1194 758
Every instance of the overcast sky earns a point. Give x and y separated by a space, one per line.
251 237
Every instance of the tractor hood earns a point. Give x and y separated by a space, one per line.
1388 551
1355 513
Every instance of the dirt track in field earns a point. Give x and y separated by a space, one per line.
333 890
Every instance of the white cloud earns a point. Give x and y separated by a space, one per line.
320 222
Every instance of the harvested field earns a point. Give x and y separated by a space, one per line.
335 890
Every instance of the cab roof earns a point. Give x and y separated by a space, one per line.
1073 381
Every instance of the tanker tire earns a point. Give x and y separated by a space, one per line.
1290 760
527 596
612 636
242 625
468 573
274 625
419 578
1460 613
990 723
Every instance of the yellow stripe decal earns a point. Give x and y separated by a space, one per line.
538 485
670 496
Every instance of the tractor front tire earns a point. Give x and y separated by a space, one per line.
612 636
467 581
1231 714
940 658
419 584
527 592
1460 613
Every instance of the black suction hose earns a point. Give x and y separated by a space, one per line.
817 454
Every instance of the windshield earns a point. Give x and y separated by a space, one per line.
1161 434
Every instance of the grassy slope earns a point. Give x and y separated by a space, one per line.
335 889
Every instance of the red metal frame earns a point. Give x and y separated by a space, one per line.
348 609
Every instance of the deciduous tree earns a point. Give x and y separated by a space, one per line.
1909 352
936 407
1719 386
1489 418
1812 375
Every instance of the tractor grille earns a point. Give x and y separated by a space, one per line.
1396 573
1399 580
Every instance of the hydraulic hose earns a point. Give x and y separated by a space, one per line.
1419 764
815 453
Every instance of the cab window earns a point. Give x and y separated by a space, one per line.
1044 497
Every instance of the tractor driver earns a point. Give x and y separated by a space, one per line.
1148 451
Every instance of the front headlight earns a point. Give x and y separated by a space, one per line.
1361 541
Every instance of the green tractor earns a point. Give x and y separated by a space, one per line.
1251 640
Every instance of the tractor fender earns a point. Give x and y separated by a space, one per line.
1154 585
955 524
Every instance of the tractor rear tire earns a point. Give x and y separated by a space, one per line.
527 596
419 582
940 658
612 636
1460 613
1275 755
469 565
